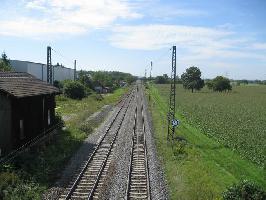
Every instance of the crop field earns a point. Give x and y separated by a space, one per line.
235 119
218 151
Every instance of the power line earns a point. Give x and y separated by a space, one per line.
159 57
64 57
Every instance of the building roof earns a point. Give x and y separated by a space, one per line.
20 84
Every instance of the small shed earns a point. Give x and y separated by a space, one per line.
27 109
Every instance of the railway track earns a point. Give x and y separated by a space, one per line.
138 176
91 178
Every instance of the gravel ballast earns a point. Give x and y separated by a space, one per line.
118 180
115 185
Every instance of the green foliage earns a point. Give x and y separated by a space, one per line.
244 190
74 90
161 80
97 97
110 79
209 85
191 79
12 187
220 84
5 63
86 80
86 127
59 84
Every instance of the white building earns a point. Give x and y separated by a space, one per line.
39 70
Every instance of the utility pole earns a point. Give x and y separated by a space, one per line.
150 70
145 73
49 66
75 70
172 122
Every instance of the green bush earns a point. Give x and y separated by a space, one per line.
58 84
86 127
11 187
244 190
74 90
88 91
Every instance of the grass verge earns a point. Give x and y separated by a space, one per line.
200 167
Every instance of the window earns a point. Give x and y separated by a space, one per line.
21 129
49 117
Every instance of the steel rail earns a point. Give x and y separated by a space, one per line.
133 145
90 196
131 155
75 184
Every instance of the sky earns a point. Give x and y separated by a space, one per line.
222 37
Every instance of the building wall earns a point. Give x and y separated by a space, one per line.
39 70
5 124
33 111
19 66
60 73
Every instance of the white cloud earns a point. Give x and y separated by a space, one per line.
167 12
57 17
36 5
194 43
259 46
156 36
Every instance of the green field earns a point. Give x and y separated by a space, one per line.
236 119
225 135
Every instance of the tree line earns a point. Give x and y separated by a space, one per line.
191 80
89 82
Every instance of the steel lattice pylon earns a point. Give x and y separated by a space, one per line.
49 66
171 112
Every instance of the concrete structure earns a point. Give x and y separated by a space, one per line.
39 70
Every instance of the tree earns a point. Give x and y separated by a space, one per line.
221 83
161 79
5 63
210 84
86 80
191 79
74 90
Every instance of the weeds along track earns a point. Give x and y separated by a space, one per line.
138 176
91 178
